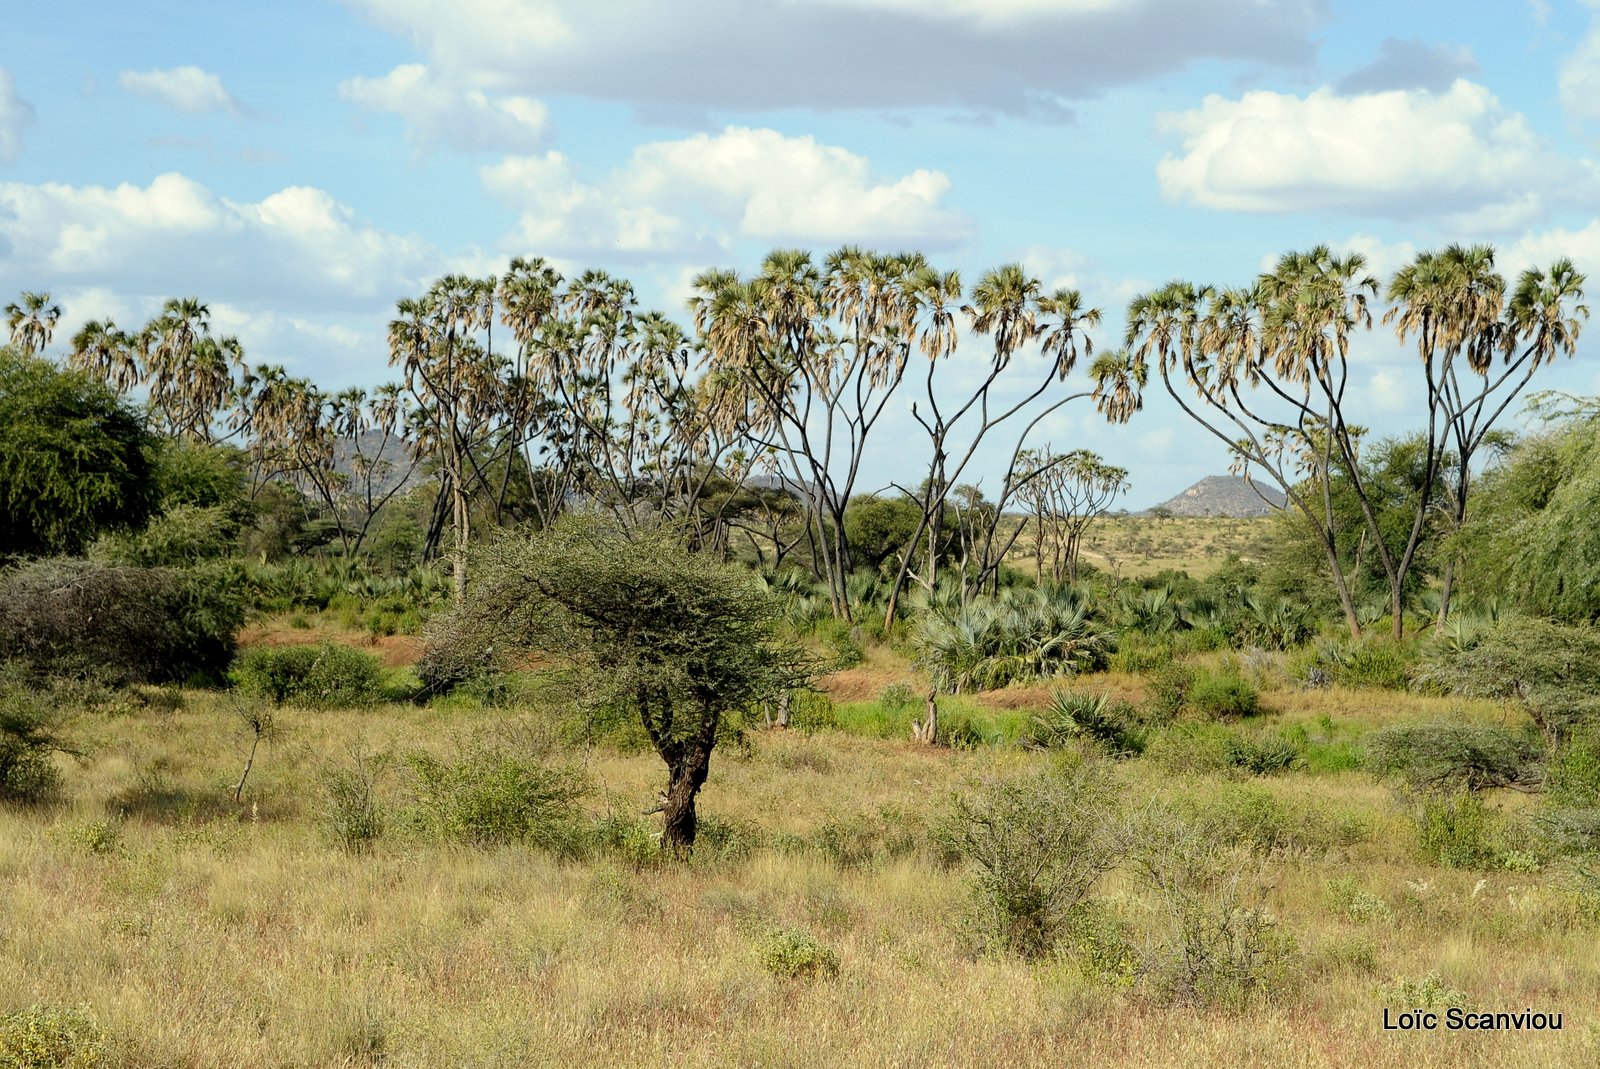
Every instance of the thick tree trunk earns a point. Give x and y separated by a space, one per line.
678 820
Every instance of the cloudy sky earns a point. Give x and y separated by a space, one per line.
301 165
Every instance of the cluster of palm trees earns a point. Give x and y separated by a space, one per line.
1266 368
543 390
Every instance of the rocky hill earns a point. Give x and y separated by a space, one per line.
1224 495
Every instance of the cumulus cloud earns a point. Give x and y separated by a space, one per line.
1395 154
296 247
436 112
189 90
1411 64
1009 56
1580 74
695 195
15 113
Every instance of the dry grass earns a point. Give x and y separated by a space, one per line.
216 934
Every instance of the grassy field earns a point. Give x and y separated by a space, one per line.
200 932
1133 546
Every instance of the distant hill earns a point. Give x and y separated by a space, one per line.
1225 495
394 454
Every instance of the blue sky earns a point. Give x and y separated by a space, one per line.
302 165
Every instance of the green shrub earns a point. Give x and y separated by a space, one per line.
1076 715
1574 776
1223 693
1021 634
1349 899
842 642
74 618
1038 844
794 955
1214 943
51 1037
30 723
898 696
1168 691
1376 662
1452 755
1253 816
1431 990
1457 831
353 816
325 676
1137 654
96 836
861 840
1262 754
1552 670
632 840
491 795
812 711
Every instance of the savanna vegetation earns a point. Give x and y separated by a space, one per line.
575 700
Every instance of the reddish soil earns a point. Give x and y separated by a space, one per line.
393 651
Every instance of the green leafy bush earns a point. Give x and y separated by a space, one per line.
1038 844
1214 942
1453 755
30 731
1168 690
811 711
794 955
1431 990
861 840
1457 831
51 1037
1262 754
1552 670
491 795
119 624
325 676
1222 693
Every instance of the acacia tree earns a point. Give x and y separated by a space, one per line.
685 641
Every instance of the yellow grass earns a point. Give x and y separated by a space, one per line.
223 935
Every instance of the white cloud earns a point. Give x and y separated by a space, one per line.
297 246
1396 154
1011 56
187 89
1580 75
694 196
436 112
15 113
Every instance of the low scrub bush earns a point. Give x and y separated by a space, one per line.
1430 990
811 711
1552 670
1458 831
353 815
794 955
1038 844
1453 755
1215 943
326 676
75 618
1349 899
1168 690
862 840
51 1037
1253 816
30 732
1261 754
1222 693
492 794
